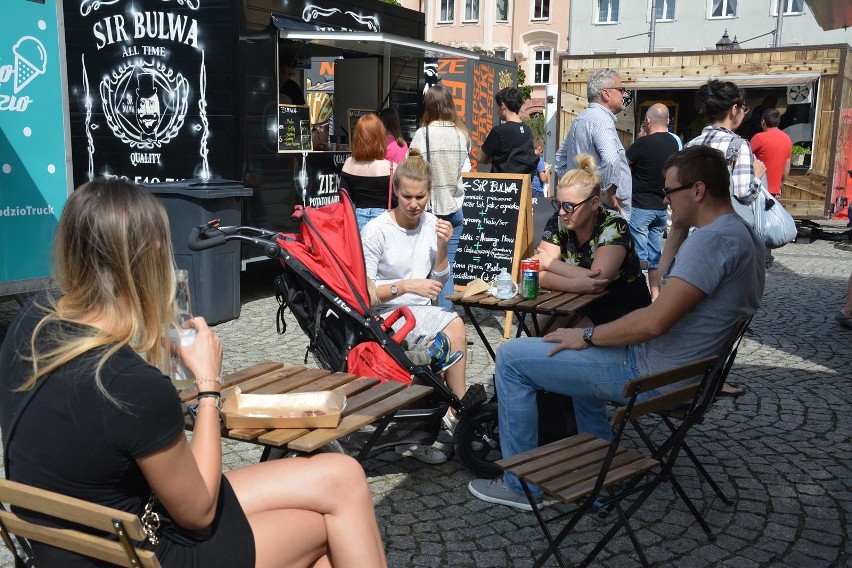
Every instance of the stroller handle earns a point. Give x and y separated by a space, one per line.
401 312
212 234
195 243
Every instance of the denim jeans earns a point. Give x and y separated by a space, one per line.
590 376
457 221
646 228
366 214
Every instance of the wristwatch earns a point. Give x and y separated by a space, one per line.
394 289
587 335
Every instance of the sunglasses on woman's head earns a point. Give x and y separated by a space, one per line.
567 206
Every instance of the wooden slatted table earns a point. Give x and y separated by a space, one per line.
552 304
368 401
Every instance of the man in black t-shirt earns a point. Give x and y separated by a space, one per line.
646 157
511 135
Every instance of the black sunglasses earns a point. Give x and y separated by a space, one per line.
668 192
567 206
621 90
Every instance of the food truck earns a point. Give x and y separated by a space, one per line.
34 172
164 90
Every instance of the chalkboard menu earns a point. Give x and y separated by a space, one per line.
294 128
354 115
497 226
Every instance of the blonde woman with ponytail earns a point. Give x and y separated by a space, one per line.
87 410
588 249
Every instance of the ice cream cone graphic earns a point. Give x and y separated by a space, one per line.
30 61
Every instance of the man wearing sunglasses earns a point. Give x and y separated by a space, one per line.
593 132
715 280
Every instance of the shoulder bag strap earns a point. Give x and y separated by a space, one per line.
427 145
390 187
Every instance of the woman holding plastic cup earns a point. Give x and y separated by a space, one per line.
85 383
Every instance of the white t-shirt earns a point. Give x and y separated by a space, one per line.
392 253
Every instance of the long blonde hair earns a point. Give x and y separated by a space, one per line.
113 262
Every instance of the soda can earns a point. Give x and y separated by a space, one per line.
529 278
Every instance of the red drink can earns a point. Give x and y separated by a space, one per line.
529 278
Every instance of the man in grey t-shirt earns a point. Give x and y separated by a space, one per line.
715 279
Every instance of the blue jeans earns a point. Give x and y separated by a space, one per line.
646 228
590 376
366 214
457 221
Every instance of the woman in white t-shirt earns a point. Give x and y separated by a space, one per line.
405 252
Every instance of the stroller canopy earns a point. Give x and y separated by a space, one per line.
329 245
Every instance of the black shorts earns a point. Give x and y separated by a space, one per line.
230 546
622 298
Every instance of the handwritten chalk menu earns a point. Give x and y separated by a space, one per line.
354 114
497 226
294 128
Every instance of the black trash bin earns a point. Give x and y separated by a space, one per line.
214 274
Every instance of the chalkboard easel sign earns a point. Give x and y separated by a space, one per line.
294 129
497 231
354 114
497 226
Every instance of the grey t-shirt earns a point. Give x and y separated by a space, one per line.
725 260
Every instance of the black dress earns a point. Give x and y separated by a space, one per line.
71 439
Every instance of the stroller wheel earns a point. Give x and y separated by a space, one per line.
477 441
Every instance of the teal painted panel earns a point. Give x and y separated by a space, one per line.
33 186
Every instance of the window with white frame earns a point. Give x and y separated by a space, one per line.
500 53
541 67
447 11
791 7
665 10
501 10
471 11
723 8
541 9
607 12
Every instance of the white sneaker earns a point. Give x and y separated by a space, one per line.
426 454
450 422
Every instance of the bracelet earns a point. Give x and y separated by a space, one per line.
217 404
216 379
209 394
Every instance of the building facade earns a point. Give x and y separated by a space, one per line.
533 33
623 26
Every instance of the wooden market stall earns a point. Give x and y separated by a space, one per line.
812 87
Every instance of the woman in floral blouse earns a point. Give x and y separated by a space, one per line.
588 249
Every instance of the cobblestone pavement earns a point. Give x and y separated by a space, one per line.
782 450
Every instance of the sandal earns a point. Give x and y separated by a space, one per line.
738 391
844 321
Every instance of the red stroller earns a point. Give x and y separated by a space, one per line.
324 285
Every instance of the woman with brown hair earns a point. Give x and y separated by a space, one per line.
397 146
84 383
366 173
445 143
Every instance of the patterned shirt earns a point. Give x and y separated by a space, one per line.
610 229
745 184
448 155
593 132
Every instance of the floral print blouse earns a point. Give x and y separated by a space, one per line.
610 229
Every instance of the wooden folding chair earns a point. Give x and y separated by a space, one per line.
727 354
583 469
114 542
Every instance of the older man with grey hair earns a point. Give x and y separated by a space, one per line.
593 132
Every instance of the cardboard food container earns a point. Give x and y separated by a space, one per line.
320 409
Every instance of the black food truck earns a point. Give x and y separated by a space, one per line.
263 92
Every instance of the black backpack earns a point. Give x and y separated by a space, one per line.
521 160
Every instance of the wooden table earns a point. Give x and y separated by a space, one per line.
552 304
368 401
